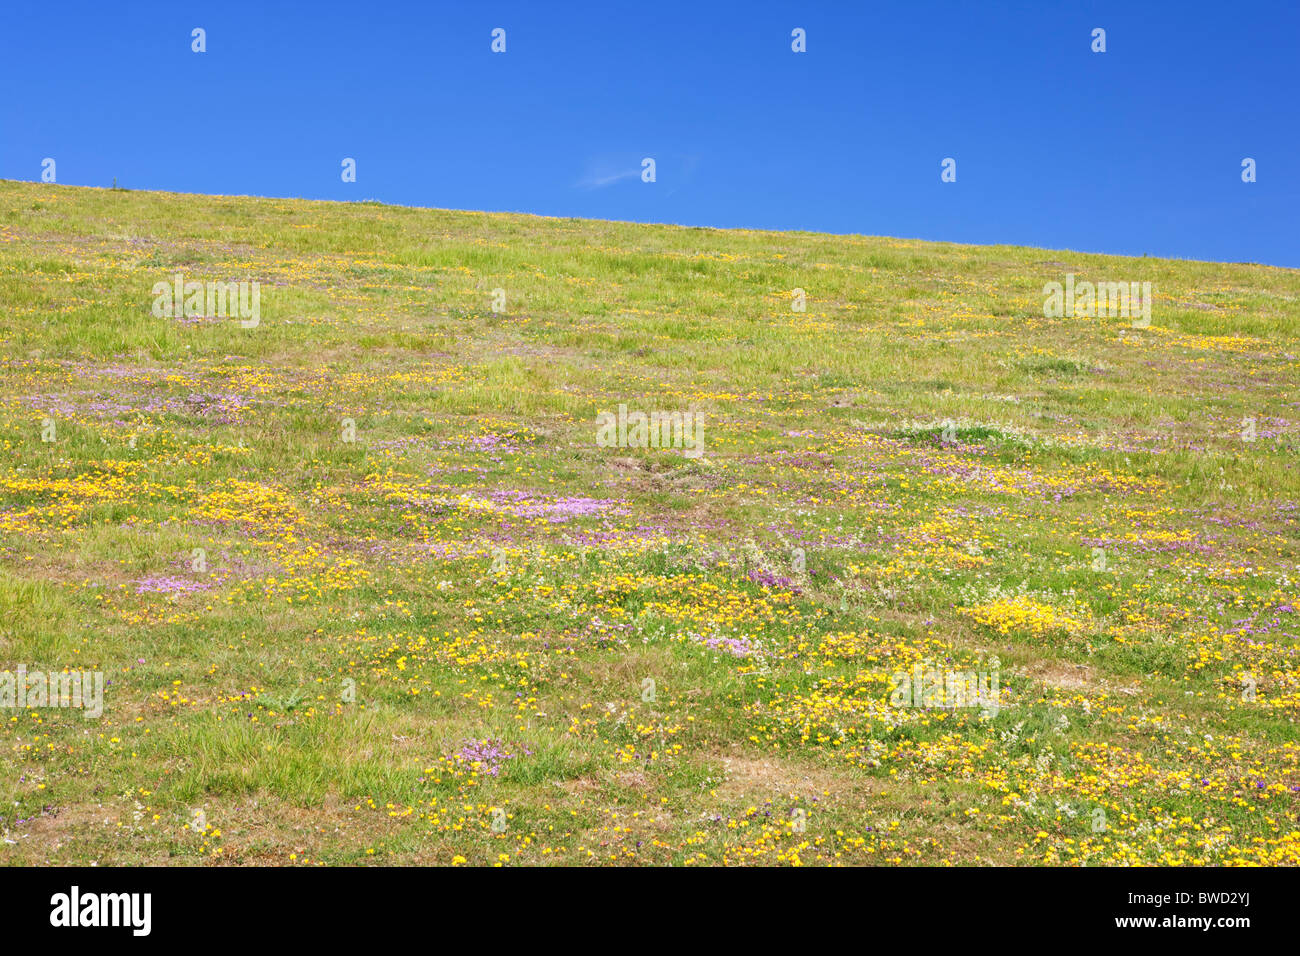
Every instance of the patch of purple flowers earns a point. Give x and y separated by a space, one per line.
489 754
770 580
161 584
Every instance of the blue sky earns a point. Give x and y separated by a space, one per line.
1134 151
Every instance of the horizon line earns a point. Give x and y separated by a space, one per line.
659 223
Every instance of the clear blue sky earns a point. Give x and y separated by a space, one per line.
1134 151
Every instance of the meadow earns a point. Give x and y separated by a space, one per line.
365 588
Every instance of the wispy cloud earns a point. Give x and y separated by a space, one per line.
602 175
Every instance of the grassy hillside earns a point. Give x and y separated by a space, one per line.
475 635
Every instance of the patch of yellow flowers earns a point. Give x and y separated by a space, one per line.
1023 614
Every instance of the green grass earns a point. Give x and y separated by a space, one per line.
916 470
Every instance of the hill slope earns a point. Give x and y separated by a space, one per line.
367 580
